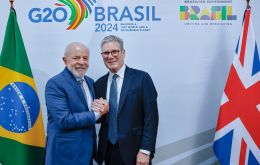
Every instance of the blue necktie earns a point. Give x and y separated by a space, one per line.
112 128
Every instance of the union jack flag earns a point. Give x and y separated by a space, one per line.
237 138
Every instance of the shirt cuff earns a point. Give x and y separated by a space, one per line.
145 152
97 115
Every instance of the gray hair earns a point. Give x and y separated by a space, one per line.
72 46
113 38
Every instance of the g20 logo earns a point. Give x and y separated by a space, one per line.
79 11
37 15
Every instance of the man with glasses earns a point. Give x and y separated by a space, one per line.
128 131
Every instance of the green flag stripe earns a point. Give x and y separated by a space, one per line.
15 153
13 55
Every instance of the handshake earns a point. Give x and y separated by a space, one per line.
100 106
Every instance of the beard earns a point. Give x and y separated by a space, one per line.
76 73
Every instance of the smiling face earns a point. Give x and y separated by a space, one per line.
113 56
77 59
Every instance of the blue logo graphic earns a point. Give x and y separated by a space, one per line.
19 107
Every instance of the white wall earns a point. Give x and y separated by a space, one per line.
188 63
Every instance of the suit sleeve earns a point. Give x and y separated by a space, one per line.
58 106
151 117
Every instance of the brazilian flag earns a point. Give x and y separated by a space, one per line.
22 137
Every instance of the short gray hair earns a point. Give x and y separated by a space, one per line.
72 45
113 38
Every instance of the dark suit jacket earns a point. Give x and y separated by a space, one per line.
71 127
137 115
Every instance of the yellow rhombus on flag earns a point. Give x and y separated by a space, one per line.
22 137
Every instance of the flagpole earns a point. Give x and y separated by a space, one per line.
11 2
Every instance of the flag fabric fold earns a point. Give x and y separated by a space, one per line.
22 137
237 137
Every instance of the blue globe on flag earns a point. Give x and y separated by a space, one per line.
19 107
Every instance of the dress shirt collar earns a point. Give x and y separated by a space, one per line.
120 72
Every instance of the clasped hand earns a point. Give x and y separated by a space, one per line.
100 106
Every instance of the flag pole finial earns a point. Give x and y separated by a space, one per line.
248 5
11 2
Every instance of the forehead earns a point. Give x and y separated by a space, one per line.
78 51
111 45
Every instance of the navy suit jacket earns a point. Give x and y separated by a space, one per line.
137 116
71 126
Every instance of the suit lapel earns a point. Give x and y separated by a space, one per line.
103 86
126 84
91 87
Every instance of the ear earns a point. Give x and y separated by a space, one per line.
123 51
64 60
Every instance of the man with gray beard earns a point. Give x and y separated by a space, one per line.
71 137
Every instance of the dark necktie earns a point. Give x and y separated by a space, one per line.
112 128
83 90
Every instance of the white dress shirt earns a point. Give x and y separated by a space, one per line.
119 82
88 94
89 97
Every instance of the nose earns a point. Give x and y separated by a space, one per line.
110 55
81 60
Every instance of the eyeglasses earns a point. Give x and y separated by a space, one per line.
114 53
